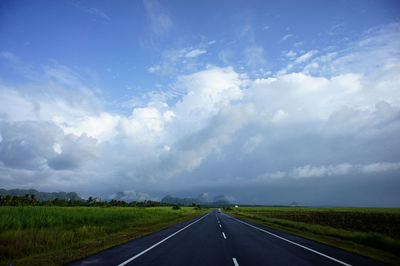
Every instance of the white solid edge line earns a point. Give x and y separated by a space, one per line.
158 243
224 235
294 243
235 262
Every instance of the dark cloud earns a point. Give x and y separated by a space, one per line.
75 152
32 145
28 144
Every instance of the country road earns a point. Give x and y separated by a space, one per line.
221 239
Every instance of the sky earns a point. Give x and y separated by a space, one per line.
265 102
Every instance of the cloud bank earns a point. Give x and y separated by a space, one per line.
326 116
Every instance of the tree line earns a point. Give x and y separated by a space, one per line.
31 200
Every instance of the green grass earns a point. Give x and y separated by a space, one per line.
39 235
322 209
372 232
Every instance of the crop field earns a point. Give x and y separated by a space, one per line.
41 235
372 232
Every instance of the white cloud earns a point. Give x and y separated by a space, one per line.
279 115
309 171
130 195
160 20
167 148
101 127
298 61
57 148
175 60
303 124
95 12
318 171
303 58
195 52
380 167
225 56
287 36
208 91
254 56
291 54
272 176
252 143
153 69
10 57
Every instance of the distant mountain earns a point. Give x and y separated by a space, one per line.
41 196
221 200
129 196
202 199
180 201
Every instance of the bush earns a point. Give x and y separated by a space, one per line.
176 207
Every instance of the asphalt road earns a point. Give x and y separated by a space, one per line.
220 239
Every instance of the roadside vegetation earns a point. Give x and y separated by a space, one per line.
371 232
55 235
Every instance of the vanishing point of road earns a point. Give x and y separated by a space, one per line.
220 239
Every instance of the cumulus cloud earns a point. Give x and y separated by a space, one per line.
340 121
74 152
30 145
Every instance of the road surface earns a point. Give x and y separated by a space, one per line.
221 239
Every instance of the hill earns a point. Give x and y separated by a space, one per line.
200 200
41 196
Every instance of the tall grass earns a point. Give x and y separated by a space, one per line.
33 230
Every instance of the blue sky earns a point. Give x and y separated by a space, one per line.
263 101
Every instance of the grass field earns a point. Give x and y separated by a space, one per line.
39 235
372 232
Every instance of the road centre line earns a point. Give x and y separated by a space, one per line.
224 235
235 262
220 226
158 243
294 243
